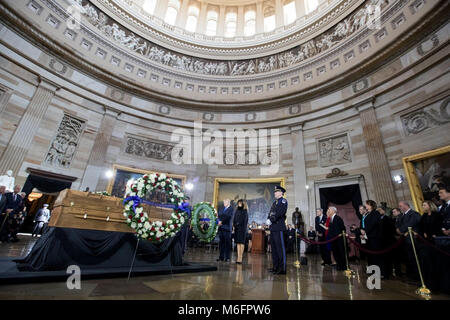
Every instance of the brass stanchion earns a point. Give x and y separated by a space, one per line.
296 263
424 291
349 273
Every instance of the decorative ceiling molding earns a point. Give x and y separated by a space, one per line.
421 27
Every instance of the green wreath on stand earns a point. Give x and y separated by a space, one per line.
204 213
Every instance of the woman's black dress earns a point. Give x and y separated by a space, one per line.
240 223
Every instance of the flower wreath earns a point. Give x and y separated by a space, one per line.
138 220
209 234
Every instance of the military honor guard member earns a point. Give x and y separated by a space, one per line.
276 220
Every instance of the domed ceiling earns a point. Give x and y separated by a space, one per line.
229 55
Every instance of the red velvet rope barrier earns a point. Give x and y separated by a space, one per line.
431 245
360 247
319 242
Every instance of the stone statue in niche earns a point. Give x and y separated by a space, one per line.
8 181
334 150
64 145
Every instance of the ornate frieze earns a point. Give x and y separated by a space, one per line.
426 118
65 143
149 149
357 20
334 150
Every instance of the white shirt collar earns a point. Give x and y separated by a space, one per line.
407 211
448 202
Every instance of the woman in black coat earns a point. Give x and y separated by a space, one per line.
240 223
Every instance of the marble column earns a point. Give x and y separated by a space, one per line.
221 22
200 181
300 8
299 168
161 8
279 16
201 25
94 175
240 21
20 142
259 17
378 163
182 14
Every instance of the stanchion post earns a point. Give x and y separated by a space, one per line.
424 291
296 263
349 273
134 257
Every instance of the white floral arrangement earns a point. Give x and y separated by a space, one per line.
138 220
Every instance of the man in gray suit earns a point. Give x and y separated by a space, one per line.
410 218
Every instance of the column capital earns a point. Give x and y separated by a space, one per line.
49 85
365 104
110 111
296 127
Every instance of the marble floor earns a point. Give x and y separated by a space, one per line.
235 282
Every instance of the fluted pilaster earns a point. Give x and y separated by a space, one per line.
20 142
299 168
94 175
379 167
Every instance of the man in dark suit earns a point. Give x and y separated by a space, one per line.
311 248
277 217
444 210
225 223
13 200
410 218
2 199
335 228
290 235
320 221
387 240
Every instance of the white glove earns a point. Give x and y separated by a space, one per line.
268 222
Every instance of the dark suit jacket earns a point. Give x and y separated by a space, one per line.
445 214
2 203
336 227
387 231
372 225
226 217
11 204
321 220
409 219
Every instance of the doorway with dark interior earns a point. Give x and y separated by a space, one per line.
42 187
347 200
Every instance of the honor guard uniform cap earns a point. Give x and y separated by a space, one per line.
45 205
280 188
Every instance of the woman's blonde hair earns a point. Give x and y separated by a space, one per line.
431 204
244 203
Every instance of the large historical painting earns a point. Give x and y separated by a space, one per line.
425 172
122 175
431 173
257 192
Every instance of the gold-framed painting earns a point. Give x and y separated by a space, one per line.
425 172
257 192
122 174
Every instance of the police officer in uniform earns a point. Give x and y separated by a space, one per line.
276 220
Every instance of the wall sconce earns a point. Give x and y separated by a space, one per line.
399 179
